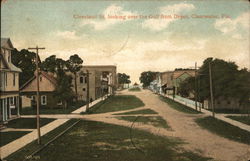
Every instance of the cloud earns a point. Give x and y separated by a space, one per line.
71 35
233 26
112 10
160 24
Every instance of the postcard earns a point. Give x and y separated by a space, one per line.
125 80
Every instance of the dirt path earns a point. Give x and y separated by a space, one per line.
199 140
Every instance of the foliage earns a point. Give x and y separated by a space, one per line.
147 77
187 86
228 81
26 61
74 65
63 91
123 78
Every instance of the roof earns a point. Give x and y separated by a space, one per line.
178 73
51 78
10 66
5 41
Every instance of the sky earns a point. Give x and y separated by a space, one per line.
137 36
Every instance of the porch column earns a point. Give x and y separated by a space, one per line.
18 105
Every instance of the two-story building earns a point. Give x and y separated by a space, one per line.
9 83
102 80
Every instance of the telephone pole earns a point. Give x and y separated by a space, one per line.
211 88
195 86
87 106
37 95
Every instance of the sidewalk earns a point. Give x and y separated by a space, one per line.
15 145
218 116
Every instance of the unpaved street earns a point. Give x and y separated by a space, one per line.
198 139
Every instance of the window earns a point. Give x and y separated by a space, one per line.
84 89
86 80
14 79
40 78
81 79
44 100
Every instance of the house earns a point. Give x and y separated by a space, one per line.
9 83
47 85
168 81
102 80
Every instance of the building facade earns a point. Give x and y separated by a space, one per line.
9 83
47 85
102 80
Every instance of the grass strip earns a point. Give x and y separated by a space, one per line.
179 107
135 89
94 141
27 123
9 136
242 119
156 121
224 129
143 111
117 103
25 152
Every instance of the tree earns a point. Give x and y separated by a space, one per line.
228 81
74 65
147 77
25 60
50 64
63 91
123 79
186 87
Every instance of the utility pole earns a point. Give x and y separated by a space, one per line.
211 88
37 95
199 86
195 86
87 106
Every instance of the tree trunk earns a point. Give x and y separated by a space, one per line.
76 87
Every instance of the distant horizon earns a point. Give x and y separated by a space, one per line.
135 36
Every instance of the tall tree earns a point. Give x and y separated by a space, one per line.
74 65
228 81
25 60
147 77
123 79
50 64
63 91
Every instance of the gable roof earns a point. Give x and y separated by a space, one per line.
51 78
5 42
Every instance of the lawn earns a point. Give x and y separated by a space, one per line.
95 141
135 89
179 107
30 148
143 111
9 136
27 123
117 103
231 111
32 111
243 119
224 129
156 121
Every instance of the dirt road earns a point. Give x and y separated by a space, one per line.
199 140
